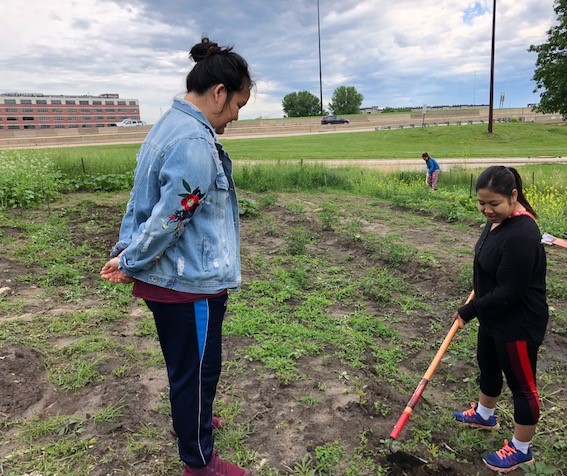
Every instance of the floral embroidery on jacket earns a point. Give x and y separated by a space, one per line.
189 202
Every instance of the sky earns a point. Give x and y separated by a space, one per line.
396 53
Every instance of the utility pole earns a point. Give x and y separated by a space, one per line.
320 73
491 105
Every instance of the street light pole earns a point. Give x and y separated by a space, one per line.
491 105
320 73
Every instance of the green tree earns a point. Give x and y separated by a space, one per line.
301 104
346 100
551 65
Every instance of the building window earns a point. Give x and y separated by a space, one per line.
122 103
86 118
11 118
45 126
70 102
44 118
25 101
9 101
27 109
41 101
56 101
108 103
99 110
99 125
111 110
11 109
72 109
132 103
72 118
87 125
27 118
59 126
84 103
73 126
13 127
85 109
99 118
29 126
121 110
57 109
42 109
134 111
111 118
97 103
58 118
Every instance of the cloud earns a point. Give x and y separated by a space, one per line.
402 53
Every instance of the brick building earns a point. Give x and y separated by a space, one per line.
42 111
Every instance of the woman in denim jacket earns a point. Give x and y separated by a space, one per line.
179 243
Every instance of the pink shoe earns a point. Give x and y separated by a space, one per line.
216 467
217 423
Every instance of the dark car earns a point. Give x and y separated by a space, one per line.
333 120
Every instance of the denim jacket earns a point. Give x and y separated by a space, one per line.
181 230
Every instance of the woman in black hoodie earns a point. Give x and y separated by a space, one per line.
511 307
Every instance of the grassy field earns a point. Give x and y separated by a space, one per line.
509 140
350 279
345 300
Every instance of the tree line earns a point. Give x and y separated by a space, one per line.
346 100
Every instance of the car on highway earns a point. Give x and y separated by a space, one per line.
333 120
130 123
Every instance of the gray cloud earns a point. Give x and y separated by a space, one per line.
407 52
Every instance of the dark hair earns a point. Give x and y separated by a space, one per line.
424 155
216 64
503 180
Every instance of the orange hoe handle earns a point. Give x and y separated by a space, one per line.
404 417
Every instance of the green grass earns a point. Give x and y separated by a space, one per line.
508 140
301 306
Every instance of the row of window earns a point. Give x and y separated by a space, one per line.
62 118
70 101
71 109
56 126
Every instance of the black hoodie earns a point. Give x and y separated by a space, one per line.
509 282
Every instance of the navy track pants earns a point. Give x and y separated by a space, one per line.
190 339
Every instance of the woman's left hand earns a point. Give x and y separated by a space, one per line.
460 320
111 272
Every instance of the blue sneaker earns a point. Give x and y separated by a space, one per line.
472 418
508 458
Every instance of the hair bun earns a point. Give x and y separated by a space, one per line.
203 50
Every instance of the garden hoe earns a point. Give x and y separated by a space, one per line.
397 456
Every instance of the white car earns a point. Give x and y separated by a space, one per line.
130 123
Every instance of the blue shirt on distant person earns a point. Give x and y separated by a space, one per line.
432 165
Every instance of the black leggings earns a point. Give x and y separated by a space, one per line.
518 360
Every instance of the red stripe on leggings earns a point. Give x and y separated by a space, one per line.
520 361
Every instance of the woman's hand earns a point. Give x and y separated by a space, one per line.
111 272
459 319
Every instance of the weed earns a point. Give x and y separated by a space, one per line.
327 458
74 374
247 207
328 216
110 412
307 400
297 238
